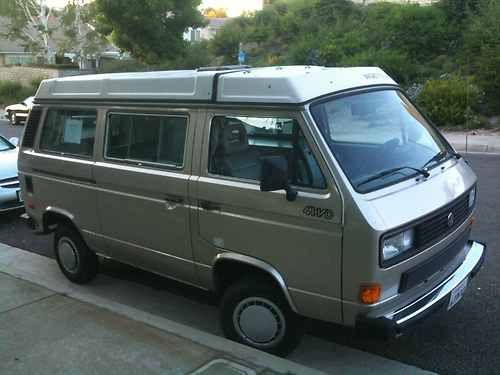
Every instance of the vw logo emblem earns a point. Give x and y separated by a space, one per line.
451 220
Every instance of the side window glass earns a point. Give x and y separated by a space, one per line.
69 131
237 145
147 138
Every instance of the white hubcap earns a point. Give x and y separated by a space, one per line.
67 254
259 322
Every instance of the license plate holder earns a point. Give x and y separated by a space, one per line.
457 293
20 196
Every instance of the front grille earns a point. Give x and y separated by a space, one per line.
437 226
10 183
14 185
7 180
10 205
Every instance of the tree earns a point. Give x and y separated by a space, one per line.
29 22
151 30
458 10
482 51
80 35
214 12
227 41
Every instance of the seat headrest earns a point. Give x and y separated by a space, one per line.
234 138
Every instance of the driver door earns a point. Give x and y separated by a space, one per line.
301 239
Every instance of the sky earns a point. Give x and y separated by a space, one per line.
234 7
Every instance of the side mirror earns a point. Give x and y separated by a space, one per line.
14 141
274 176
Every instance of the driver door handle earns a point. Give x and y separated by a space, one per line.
174 199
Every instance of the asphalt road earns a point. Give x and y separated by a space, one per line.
465 340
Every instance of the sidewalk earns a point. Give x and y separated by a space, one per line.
45 332
114 326
481 141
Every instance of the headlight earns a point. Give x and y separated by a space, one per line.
472 197
398 244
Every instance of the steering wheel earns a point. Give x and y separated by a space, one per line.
389 145
386 149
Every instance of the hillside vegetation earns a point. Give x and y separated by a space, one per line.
430 50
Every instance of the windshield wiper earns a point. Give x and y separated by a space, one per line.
440 156
392 171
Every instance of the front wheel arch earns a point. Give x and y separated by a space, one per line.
230 268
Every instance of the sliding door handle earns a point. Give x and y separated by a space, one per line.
209 206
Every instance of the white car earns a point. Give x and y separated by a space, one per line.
19 112
10 193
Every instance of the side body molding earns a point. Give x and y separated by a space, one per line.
244 259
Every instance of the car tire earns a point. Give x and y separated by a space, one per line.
76 261
13 118
255 313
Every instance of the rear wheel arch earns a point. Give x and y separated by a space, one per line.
54 217
230 268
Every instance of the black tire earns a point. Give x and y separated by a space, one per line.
260 294
85 264
13 118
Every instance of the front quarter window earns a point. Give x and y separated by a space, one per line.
378 137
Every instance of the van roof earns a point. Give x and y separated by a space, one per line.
283 85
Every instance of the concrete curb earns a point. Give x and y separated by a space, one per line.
217 343
480 149
483 143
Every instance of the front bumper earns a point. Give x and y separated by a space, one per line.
396 322
9 199
21 115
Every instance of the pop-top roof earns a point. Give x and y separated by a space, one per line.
286 85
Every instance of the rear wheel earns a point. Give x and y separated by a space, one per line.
255 313
76 261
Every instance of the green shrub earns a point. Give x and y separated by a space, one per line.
36 82
69 66
451 102
481 53
393 62
122 66
13 92
195 55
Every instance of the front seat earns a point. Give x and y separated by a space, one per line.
234 156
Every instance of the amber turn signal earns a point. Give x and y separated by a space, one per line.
369 293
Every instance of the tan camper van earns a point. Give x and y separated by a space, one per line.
290 192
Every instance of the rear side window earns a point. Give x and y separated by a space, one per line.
154 139
69 131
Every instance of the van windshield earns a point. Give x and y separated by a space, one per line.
378 137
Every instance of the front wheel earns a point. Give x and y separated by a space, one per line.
255 313
76 261
13 118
